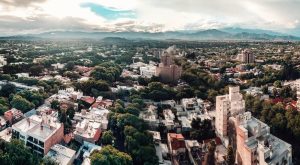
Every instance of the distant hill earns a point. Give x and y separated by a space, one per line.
204 35
114 39
236 30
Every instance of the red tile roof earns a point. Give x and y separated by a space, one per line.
177 141
88 99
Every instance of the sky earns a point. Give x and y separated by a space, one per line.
37 16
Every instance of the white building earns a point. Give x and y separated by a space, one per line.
150 116
2 61
192 104
87 131
169 118
22 75
226 106
58 66
148 71
62 154
255 144
39 133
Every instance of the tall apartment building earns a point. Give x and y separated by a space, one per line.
249 136
167 70
255 144
226 106
246 57
39 133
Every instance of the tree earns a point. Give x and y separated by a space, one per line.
107 138
107 71
21 103
230 156
8 89
132 110
55 104
265 89
70 65
4 105
15 153
48 161
36 70
71 112
63 116
108 155
277 84
202 129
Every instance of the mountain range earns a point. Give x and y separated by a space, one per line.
237 34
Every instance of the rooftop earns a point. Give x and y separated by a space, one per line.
40 127
61 154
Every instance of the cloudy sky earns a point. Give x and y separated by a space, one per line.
35 16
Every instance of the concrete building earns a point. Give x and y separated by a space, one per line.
13 115
39 133
148 71
62 155
226 106
246 57
167 70
58 66
255 144
169 119
295 85
250 137
150 117
87 131
192 104
94 115
3 61
177 147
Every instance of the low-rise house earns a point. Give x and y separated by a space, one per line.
87 131
185 124
102 103
94 115
88 100
192 104
13 115
148 71
62 154
169 119
177 147
150 117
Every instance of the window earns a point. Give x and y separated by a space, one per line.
41 143
35 141
30 138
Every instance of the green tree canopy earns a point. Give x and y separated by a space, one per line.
21 103
108 155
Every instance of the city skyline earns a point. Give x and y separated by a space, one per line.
37 16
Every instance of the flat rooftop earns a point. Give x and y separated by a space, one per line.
34 127
61 154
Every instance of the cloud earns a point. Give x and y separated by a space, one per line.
21 3
20 16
